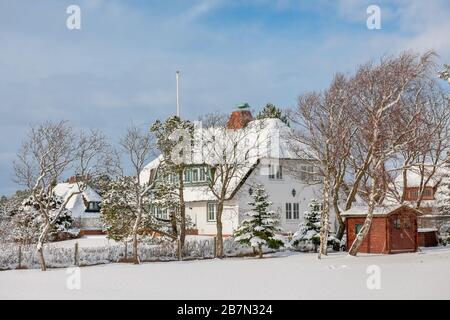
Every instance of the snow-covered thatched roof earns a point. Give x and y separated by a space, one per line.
146 172
262 139
76 204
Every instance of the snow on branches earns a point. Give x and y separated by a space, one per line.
443 196
119 210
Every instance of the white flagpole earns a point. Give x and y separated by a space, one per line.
178 94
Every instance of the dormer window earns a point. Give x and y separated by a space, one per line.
275 172
93 206
195 175
413 193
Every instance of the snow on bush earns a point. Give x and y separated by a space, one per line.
7 255
62 257
307 238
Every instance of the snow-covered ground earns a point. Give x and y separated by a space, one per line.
422 275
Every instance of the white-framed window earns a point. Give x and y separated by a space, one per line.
318 207
93 206
303 175
172 177
195 174
307 173
279 174
288 211
312 174
275 172
187 175
292 211
211 213
296 211
162 213
202 176
159 212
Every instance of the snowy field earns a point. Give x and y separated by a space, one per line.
423 275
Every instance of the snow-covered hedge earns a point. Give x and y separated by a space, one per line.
61 257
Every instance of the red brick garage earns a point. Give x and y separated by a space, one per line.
393 229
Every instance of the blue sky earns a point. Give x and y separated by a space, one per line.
120 67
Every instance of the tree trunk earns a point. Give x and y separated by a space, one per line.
137 222
219 249
341 230
179 250
173 222
363 233
367 223
40 244
337 211
20 256
126 250
182 210
260 251
324 221
405 184
354 189
378 162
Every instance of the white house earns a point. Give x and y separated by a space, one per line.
289 180
84 207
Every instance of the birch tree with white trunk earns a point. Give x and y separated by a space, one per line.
326 134
385 120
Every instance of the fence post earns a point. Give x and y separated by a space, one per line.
20 256
126 251
76 256
215 247
179 248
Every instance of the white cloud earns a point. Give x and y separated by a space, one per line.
198 10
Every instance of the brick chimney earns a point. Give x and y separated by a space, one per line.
240 117
77 178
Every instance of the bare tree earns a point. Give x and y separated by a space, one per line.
326 136
385 122
229 155
51 150
436 137
138 147
46 154
94 154
213 120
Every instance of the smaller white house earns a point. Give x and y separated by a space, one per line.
84 207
